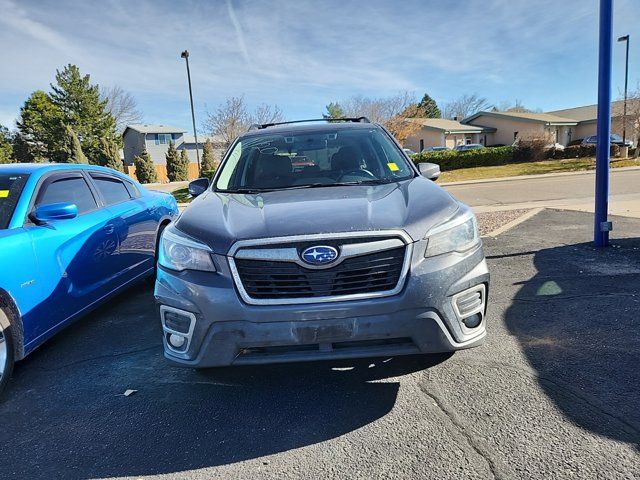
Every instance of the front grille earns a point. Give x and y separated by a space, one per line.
375 272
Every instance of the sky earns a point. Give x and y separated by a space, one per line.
303 54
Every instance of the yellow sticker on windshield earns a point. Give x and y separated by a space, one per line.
4 193
393 167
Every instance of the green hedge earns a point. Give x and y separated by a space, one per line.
495 156
452 160
577 151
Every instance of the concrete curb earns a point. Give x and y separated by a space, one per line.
526 177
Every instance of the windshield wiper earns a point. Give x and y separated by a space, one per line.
307 185
337 184
248 191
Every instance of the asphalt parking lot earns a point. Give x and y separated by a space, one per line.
554 393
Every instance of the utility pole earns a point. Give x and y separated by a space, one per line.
602 226
626 82
185 55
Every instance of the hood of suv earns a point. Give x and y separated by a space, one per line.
220 219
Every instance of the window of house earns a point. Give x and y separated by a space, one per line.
163 138
68 190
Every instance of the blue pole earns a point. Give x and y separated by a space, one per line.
601 224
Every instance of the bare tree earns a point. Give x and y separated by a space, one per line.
267 114
632 124
392 112
232 118
122 106
508 106
465 106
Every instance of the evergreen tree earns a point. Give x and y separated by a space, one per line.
41 133
428 108
182 170
83 109
334 110
109 155
71 149
173 160
145 168
6 145
207 164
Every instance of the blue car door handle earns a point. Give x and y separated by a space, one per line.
109 228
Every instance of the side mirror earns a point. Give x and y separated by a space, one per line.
429 170
198 186
54 211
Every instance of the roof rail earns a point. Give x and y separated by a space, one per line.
257 126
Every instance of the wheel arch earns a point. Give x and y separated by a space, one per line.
10 309
162 224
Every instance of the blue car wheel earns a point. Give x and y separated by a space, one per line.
7 356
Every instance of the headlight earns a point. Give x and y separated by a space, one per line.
178 252
457 235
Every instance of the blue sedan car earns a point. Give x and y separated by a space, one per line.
71 236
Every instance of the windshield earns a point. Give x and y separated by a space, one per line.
10 189
304 160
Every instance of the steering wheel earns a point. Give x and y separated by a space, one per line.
359 172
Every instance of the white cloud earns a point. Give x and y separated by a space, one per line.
303 54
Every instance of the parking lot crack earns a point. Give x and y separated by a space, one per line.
429 388
561 387
100 357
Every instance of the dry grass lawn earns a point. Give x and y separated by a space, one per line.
533 168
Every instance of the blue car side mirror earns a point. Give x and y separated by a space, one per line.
54 211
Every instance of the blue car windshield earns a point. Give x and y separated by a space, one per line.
313 159
11 186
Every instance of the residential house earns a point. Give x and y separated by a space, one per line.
441 132
156 138
587 117
511 126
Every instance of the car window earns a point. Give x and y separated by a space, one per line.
11 186
112 189
308 158
68 190
133 190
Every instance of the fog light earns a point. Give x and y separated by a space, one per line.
473 321
176 341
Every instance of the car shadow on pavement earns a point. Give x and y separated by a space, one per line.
65 414
577 321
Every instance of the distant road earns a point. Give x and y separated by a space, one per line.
574 192
167 187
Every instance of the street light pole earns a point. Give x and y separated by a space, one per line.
626 82
185 55
601 224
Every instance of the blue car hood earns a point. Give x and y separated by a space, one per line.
220 219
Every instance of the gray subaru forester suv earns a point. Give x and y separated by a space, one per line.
319 241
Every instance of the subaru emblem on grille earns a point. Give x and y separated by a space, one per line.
319 255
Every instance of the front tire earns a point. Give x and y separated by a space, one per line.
7 350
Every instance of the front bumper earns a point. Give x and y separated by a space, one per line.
422 318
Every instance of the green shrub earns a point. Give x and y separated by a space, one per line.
579 151
452 160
